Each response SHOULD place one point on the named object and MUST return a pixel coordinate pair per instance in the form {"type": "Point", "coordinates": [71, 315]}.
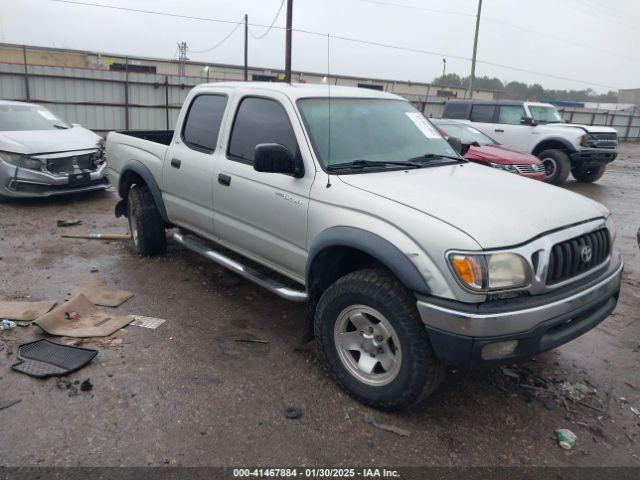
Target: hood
{"type": "Point", "coordinates": [500, 154]}
{"type": "Point", "coordinates": [584, 128]}
{"type": "Point", "coordinates": [48, 141]}
{"type": "Point", "coordinates": [498, 209]}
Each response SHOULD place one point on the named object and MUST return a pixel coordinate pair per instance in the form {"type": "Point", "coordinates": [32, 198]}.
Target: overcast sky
{"type": "Point", "coordinates": [611, 27]}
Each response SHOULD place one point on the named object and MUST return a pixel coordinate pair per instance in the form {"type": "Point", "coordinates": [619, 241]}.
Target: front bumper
{"type": "Point", "coordinates": [459, 331]}
{"type": "Point", "coordinates": [593, 157]}
{"type": "Point", "coordinates": [32, 183]}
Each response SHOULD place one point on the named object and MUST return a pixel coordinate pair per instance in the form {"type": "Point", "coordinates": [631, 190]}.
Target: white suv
{"type": "Point", "coordinates": [539, 129]}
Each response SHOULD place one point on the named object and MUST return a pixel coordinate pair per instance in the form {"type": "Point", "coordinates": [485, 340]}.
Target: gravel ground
{"type": "Point", "coordinates": [188, 393]}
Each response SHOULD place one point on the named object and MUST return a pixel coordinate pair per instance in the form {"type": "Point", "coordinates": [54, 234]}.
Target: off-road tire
{"type": "Point", "coordinates": [420, 371]}
{"type": "Point", "coordinates": [588, 174]}
{"type": "Point", "coordinates": [146, 224]}
{"type": "Point", "coordinates": [557, 165]}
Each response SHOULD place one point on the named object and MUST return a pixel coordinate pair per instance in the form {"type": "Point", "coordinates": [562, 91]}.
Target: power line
{"type": "Point", "coordinates": [338, 37]}
{"type": "Point", "coordinates": [433, 10]}
{"type": "Point", "coordinates": [259, 37]}
{"type": "Point", "coordinates": [221, 41]}
{"type": "Point", "coordinates": [612, 12]}
{"type": "Point", "coordinates": [574, 7]}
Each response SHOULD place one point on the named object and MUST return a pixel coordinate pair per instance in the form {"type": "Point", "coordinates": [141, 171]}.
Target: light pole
{"type": "Point", "coordinates": [444, 68]}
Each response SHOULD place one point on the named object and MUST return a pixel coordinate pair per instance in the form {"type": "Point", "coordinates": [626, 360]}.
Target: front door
{"type": "Point", "coordinates": [264, 215]}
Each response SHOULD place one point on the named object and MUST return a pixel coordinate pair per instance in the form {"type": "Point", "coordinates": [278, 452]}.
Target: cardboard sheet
{"type": "Point", "coordinates": [91, 322]}
{"type": "Point", "coordinates": [99, 293]}
{"type": "Point", "coordinates": [24, 311]}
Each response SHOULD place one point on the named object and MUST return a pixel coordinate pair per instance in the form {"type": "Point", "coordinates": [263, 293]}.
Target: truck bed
{"type": "Point", "coordinates": [158, 136]}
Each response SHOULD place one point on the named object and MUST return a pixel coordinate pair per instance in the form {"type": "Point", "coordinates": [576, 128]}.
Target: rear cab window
{"type": "Point", "coordinates": [202, 124]}
{"type": "Point", "coordinates": [260, 120]}
{"type": "Point", "coordinates": [483, 113]}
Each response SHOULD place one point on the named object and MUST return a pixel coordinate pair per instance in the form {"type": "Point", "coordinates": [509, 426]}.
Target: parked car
{"type": "Point", "coordinates": [42, 155]}
{"type": "Point", "coordinates": [537, 128]}
{"type": "Point", "coordinates": [483, 149]}
{"type": "Point", "coordinates": [408, 256]}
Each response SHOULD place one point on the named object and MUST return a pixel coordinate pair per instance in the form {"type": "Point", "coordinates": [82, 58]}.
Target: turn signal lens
{"type": "Point", "coordinates": [469, 269]}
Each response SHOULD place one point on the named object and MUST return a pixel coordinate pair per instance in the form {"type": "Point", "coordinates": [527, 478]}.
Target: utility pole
{"type": "Point", "coordinates": [287, 53]}
{"type": "Point", "coordinates": [246, 47]}
{"type": "Point", "coordinates": [475, 49]}
{"type": "Point", "coordinates": [444, 69]}
{"type": "Point", "coordinates": [182, 57]}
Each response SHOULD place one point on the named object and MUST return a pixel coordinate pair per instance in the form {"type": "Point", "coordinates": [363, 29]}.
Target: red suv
{"type": "Point", "coordinates": [480, 148]}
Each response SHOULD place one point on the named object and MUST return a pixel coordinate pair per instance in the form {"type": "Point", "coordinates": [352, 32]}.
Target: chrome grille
{"type": "Point", "coordinates": [528, 169]}
{"type": "Point", "coordinates": [69, 164]}
{"type": "Point", "coordinates": [578, 255]}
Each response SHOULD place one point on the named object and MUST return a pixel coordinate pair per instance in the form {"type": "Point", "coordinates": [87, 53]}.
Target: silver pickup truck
{"type": "Point", "coordinates": [409, 258]}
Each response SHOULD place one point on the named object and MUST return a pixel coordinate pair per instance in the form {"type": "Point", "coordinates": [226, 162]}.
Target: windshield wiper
{"type": "Point", "coordinates": [429, 157]}
{"type": "Point", "coordinates": [362, 164]}
{"type": "Point", "coordinates": [61, 127]}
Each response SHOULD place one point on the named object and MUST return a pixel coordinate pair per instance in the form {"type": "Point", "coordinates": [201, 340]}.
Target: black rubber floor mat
{"type": "Point", "coordinates": [43, 358]}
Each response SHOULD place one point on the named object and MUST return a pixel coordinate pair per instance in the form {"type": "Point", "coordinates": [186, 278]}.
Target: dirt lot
{"type": "Point", "coordinates": [188, 393]}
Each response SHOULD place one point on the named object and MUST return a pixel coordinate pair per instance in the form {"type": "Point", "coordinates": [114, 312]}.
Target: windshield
{"type": "Point", "coordinates": [371, 130]}
{"type": "Point", "coordinates": [466, 134]}
{"type": "Point", "coordinates": [28, 117]}
{"type": "Point", "coordinates": [545, 114]}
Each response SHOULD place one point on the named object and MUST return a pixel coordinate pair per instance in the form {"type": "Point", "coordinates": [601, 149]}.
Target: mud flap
{"type": "Point", "coordinates": [121, 209]}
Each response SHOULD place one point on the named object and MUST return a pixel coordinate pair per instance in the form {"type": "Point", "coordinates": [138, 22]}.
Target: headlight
{"type": "Point", "coordinates": [587, 140]}
{"type": "Point", "coordinates": [21, 161]}
{"type": "Point", "coordinates": [505, 167]}
{"type": "Point", "coordinates": [611, 226]}
{"type": "Point", "coordinates": [496, 271]}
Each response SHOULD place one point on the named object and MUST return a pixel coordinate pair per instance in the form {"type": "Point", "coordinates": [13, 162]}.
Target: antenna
{"type": "Point", "coordinates": [329, 102]}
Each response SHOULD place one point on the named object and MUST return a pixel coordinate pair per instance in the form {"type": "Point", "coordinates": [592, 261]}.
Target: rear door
{"type": "Point", "coordinates": [188, 169]}
{"type": "Point", "coordinates": [483, 117]}
{"type": "Point", "coordinates": [264, 215]}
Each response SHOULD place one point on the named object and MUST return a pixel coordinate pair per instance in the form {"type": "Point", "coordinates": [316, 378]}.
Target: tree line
{"type": "Point", "coordinates": [522, 91]}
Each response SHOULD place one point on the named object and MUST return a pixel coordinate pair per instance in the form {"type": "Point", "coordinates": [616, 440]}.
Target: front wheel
{"type": "Point", "coordinates": [374, 344]}
{"type": "Point", "coordinates": [557, 166]}
{"type": "Point", "coordinates": [588, 174]}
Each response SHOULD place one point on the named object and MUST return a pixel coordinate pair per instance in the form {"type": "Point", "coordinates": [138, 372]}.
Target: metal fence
{"type": "Point", "coordinates": [104, 100]}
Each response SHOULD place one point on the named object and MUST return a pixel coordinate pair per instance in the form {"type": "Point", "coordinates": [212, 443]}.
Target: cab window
{"type": "Point", "coordinates": [260, 120]}
{"type": "Point", "coordinates": [483, 113]}
{"type": "Point", "coordinates": [202, 125]}
{"type": "Point", "coordinates": [511, 114]}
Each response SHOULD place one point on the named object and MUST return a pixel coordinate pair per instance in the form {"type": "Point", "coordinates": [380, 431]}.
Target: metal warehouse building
{"type": "Point", "coordinates": [106, 92]}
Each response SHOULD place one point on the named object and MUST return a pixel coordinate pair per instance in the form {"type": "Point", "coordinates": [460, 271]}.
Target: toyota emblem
{"type": "Point", "coordinates": [586, 254]}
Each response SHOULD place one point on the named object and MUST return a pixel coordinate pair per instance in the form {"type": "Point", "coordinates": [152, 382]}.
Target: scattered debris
{"type": "Point", "coordinates": [566, 438]}
{"type": "Point", "coordinates": [86, 386]}
{"type": "Point", "coordinates": [24, 311]}
{"type": "Point", "coordinates": [91, 322]}
{"type": "Point", "coordinates": [7, 325]}
{"type": "Point", "coordinates": [292, 413]}
{"type": "Point", "coordinates": [94, 269]}
{"type": "Point", "coordinates": [146, 322]}
{"type": "Point", "coordinates": [575, 391]}
{"type": "Point", "coordinates": [251, 340]}
{"type": "Point", "coordinates": [42, 359]}
{"type": "Point", "coordinates": [114, 340]}
{"type": "Point", "coordinates": [632, 385]}
{"type": "Point", "coordinates": [389, 428]}
{"type": "Point", "coordinates": [509, 373]}
{"type": "Point", "coordinates": [73, 316]}
{"type": "Point", "coordinates": [635, 411]}
{"type": "Point", "coordinates": [99, 293]}
{"type": "Point", "coordinates": [8, 404]}
{"type": "Point", "coordinates": [99, 236]}
{"type": "Point", "coordinates": [68, 223]}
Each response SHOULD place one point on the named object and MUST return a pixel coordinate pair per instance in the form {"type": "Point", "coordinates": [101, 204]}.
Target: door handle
{"type": "Point", "coordinates": [499, 130]}
{"type": "Point", "coordinates": [224, 179]}
{"type": "Point", "coordinates": [175, 162]}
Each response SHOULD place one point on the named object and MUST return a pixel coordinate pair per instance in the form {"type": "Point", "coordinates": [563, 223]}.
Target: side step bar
{"type": "Point", "coordinates": [199, 246]}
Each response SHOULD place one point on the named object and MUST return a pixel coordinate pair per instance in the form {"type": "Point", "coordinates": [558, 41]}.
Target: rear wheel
{"type": "Point", "coordinates": [557, 166]}
{"type": "Point", "coordinates": [588, 174]}
{"type": "Point", "coordinates": [373, 342]}
{"type": "Point", "coordinates": [146, 224]}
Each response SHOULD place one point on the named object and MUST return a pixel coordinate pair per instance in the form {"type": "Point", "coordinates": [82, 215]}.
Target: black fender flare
{"type": "Point", "coordinates": [379, 248]}
{"type": "Point", "coordinates": [143, 171]}
{"type": "Point", "coordinates": [564, 141]}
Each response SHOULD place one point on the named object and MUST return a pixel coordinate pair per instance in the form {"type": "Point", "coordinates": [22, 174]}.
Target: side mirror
{"type": "Point", "coordinates": [456, 144]}
{"type": "Point", "coordinates": [527, 121]}
{"type": "Point", "coordinates": [276, 158]}
{"type": "Point", "coordinates": [465, 148]}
